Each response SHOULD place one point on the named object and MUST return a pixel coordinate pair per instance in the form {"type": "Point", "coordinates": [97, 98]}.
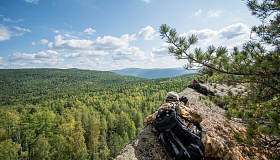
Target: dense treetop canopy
{"type": "Point", "coordinates": [75, 114]}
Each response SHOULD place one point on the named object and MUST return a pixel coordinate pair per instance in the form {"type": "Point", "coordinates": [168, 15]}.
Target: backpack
{"type": "Point", "coordinates": [176, 138]}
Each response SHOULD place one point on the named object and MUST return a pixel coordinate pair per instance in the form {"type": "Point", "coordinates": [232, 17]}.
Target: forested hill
{"type": "Point", "coordinates": [154, 73]}
{"type": "Point", "coordinates": [27, 85]}
{"type": "Point", "coordinates": [75, 114]}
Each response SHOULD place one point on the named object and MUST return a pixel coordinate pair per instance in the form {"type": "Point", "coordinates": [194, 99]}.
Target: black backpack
{"type": "Point", "coordinates": [176, 138]}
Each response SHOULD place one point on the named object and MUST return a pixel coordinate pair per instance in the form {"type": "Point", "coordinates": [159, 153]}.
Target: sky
{"type": "Point", "coordinates": [114, 34]}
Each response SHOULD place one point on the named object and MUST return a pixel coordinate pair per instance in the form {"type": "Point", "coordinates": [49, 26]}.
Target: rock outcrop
{"type": "Point", "coordinates": [146, 145]}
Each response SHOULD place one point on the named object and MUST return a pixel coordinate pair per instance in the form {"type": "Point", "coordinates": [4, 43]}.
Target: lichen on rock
{"type": "Point", "coordinates": [146, 145]}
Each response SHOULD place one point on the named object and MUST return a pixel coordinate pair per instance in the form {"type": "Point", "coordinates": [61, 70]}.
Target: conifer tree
{"type": "Point", "coordinates": [254, 67]}
{"type": "Point", "coordinates": [77, 146]}
{"type": "Point", "coordinates": [131, 130]}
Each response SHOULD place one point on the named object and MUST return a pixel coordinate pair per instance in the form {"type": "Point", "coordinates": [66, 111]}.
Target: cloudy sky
{"type": "Point", "coordinates": [106, 35]}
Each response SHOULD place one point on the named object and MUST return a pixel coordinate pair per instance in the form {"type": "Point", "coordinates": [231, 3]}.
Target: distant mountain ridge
{"type": "Point", "coordinates": [154, 73]}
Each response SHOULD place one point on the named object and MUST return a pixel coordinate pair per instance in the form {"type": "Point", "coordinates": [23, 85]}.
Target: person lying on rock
{"type": "Point", "coordinates": [201, 89]}
{"type": "Point", "coordinates": [213, 148]}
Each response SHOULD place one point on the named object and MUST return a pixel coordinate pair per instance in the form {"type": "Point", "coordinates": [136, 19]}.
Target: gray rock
{"type": "Point", "coordinates": [145, 145]}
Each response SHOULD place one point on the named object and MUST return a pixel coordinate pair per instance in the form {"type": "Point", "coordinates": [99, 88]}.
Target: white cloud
{"type": "Point", "coordinates": [196, 13]}
{"type": "Point", "coordinates": [99, 59]}
{"type": "Point", "coordinates": [234, 30]}
{"type": "Point", "coordinates": [47, 63]}
{"type": "Point", "coordinates": [89, 31]}
{"type": "Point", "coordinates": [18, 56]}
{"type": "Point", "coordinates": [230, 36]}
{"type": "Point", "coordinates": [107, 43]}
{"type": "Point", "coordinates": [93, 53]}
{"type": "Point", "coordinates": [5, 34]}
{"type": "Point", "coordinates": [205, 35]}
{"type": "Point", "coordinates": [13, 65]}
{"type": "Point", "coordinates": [32, 1]}
{"type": "Point", "coordinates": [230, 32]}
{"type": "Point", "coordinates": [128, 38]}
{"type": "Point", "coordinates": [12, 21]}
{"type": "Point", "coordinates": [21, 29]}
{"type": "Point", "coordinates": [73, 55]}
{"type": "Point", "coordinates": [67, 35]}
{"type": "Point", "coordinates": [126, 64]}
{"type": "Point", "coordinates": [84, 47]}
{"type": "Point", "coordinates": [87, 63]}
{"type": "Point", "coordinates": [101, 46]}
{"type": "Point", "coordinates": [48, 57]}
{"type": "Point", "coordinates": [132, 53]}
{"type": "Point", "coordinates": [43, 41]}
{"type": "Point", "coordinates": [7, 20]}
{"type": "Point", "coordinates": [214, 13]}
{"type": "Point", "coordinates": [56, 31]}
{"type": "Point", "coordinates": [86, 53]}
{"type": "Point", "coordinates": [147, 33]}
{"type": "Point", "coordinates": [161, 51]}
{"type": "Point", "coordinates": [49, 54]}
{"type": "Point", "coordinates": [147, 1]}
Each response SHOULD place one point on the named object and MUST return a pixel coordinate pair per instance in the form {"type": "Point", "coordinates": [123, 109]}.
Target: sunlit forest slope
{"type": "Point", "coordinates": [75, 114]}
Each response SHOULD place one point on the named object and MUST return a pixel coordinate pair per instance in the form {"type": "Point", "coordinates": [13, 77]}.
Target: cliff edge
{"type": "Point", "coordinates": [146, 144]}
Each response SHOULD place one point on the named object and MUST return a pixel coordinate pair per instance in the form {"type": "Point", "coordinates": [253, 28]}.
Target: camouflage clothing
{"type": "Point", "coordinates": [213, 148]}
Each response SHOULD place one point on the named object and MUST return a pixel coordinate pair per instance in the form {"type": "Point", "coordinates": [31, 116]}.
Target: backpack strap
{"type": "Point", "coordinates": [181, 144]}
{"type": "Point", "coordinates": [197, 147]}
{"type": "Point", "coordinates": [161, 137]}
{"type": "Point", "coordinates": [174, 147]}
{"type": "Point", "coordinates": [194, 123]}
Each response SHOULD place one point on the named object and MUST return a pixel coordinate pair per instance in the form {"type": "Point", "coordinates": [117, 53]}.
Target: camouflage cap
{"type": "Point", "coordinates": [172, 96]}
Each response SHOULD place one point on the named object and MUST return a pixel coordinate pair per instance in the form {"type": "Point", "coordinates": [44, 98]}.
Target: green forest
{"type": "Point", "coordinates": [75, 114]}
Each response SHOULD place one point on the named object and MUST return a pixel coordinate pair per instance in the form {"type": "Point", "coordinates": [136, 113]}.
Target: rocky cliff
{"type": "Point", "coordinates": [147, 146]}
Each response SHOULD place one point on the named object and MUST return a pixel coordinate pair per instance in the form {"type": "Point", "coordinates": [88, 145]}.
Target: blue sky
{"type": "Point", "coordinates": [109, 35]}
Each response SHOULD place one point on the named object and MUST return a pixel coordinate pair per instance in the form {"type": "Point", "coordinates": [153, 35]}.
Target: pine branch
{"type": "Point", "coordinates": [187, 56]}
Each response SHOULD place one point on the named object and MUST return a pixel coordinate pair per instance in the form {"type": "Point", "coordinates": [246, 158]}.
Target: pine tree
{"type": "Point", "coordinates": [254, 67]}
{"type": "Point", "coordinates": [92, 136]}
{"type": "Point", "coordinates": [131, 130]}
{"type": "Point", "coordinates": [104, 149]}
{"type": "Point", "coordinates": [77, 146]}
